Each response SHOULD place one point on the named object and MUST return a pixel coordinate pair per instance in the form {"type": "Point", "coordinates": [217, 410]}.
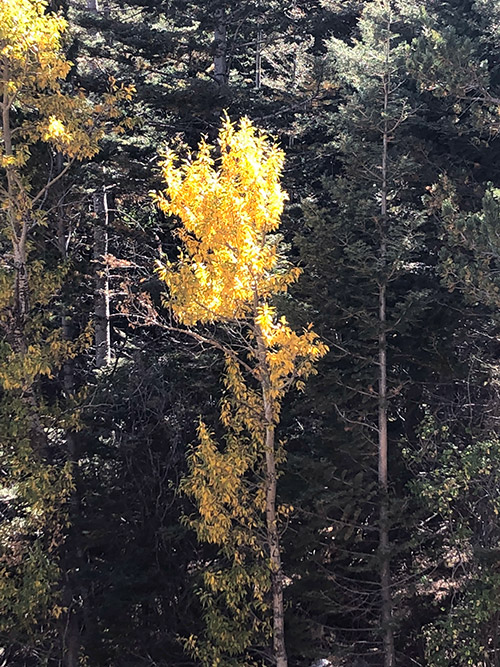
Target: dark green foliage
{"type": "Point", "coordinates": [139, 418]}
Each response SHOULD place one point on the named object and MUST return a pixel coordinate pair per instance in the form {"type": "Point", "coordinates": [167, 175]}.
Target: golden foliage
{"type": "Point", "coordinates": [32, 69]}
{"type": "Point", "coordinates": [229, 270]}
{"type": "Point", "coordinates": [227, 212]}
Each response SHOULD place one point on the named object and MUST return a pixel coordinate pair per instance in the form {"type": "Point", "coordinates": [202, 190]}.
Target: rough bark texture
{"type": "Point", "coordinates": [279, 648]}
{"type": "Point", "coordinates": [273, 538]}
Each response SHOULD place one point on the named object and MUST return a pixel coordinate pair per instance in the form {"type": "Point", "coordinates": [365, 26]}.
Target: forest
{"type": "Point", "coordinates": [249, 339]}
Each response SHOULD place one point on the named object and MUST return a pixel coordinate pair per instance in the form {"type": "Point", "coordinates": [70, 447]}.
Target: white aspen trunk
{"type": "Point", "coordinates": [220, 47]}
{"type": "Point", "coordinates": [102, 332]}
{"type": "Point", "coordinates": [93, 5]}
{"type": "Point", "coordinates": [384, 544]}
{"type": "Point", "coordinates": [258, 60]}
{"type": "Point", "coordinates": [273, 537]}
{"type": "Point", "coordinates": [279, 647]}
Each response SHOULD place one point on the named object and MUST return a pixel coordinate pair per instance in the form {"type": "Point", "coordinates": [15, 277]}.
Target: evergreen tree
{"type": "Point", "coordinates": [377, 232]}
{"type": "Point", "coordinates": [373, 247]}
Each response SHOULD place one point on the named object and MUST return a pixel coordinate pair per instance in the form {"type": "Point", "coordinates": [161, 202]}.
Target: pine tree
{"type": "Point", "coordinates": [373, 248]}
{"type": "Point", "coordinates": [426, 343]}
{"type": "Point", "coordinates": [459, 449]}
{"type": "Point", "coordinates": [370, 123]}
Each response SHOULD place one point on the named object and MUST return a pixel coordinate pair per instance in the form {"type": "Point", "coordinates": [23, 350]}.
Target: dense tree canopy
{"type": "Point", "coordinates": [165, 498]}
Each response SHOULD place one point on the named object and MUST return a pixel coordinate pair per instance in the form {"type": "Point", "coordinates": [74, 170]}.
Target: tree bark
{"type": "Point", "coordinates": [384, 523]}
{"type": "Point", "coordinates": [279, 647]}
{"type": "Point", "coordinates": [102, 333]}
{"type": "Point", "coordinates": [273, 538]}
{"type": "Point", "coordinates": [220, 47]}
{"type": "Point", "coordinates": [258, 59]}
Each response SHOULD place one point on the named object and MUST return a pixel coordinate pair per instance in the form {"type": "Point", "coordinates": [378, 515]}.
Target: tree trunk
{"type": "Point", "coordinates": [102, 334]}
{"type": "Point", "coordinates": [279, 648]}
{"type": "Point", "coordinates": [384, 545]}
{"type": "Point", "coordinates": [220, 47]}
{"type": "Point", "coordinates": [258, 60]}
{"type": "Point", "coordinates": [70, 622]}
{"type": "Point", "coordinates": [384, 524]}
{"type": "Point", "coordinates": [273, 538]}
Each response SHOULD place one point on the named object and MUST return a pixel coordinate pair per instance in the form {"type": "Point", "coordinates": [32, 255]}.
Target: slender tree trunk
{"type": "Point", "coordinates": [258, 59]}
{"type": "Point", "coordinates": [273, 537]}
{"type": "Point", "coordinates": [70, 631]}
{"type": "Point", "coordinates": [62, 242]}
{"type": "Point", "coordinates": [220, 47]}
{"type": "Point", "coordinates": [384, 524]}
{"type": "Point", "coordinates": [102, 335]}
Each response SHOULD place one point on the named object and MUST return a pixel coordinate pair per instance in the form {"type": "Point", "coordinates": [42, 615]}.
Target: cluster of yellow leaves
{"type": "Point", "coordinates": [230, 507]}
{"type": "Point", "coordinates": [30, 539]}
{"type": "Point", "coordinates": [225, 484]}
{"type": "Point", "coordinates": [241, 410]}
{"type": "Point", "coordinates": [227, 208]}
{"type": "Point", "coordinates": [47, 350]}
{"type": "Point", "coordinates": [30, 41]}
{"type": "Point", "coordinates": [229, 635]}
{"type": "Point", "coordinates": [32, 69]}
{"type": "Point", "coordinates": [41, 358]}
{"type": "Point", "coordinates": [290, 357]}
{"type": "Point", "coordinates": [27, 590]}
{"type": "Point", "coordinates": [228, 266]}
{"type": "Point", "coordinates": [28, 544]}
{"type": "Point", "coordinates": [227, 515]}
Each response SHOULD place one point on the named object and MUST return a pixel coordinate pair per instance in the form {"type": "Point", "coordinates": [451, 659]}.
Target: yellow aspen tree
{"type": "Point", "coordinates": [35, 111]}
{"type": "Point", "coordinates": [229, 271]}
